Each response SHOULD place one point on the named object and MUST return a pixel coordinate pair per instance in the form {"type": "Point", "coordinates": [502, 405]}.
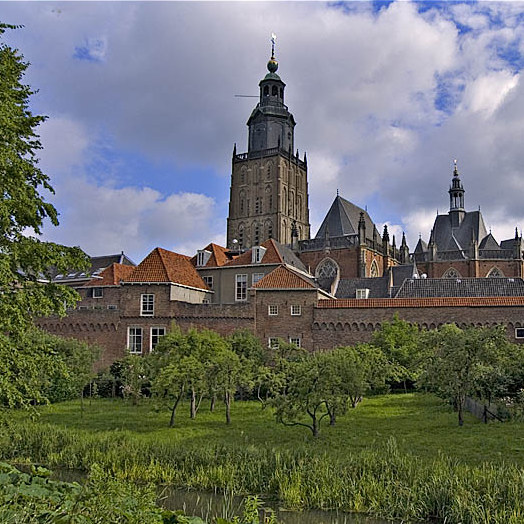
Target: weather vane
{"type": "Point", "coordinates": [273, 41]}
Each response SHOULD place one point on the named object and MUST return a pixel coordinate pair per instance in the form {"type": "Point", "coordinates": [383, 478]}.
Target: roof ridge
{"type": "Point", "coordinates": [275, 247]}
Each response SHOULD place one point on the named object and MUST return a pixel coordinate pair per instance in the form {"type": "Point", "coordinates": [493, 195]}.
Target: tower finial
{"type": "Point", "coordinates": [272, 65]}
{"type": "Point", "coordinates": [455, 169]}
{"type": "Point", "coordinates": [273, 42]}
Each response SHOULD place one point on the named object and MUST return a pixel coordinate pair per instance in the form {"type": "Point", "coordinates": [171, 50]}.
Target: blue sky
{"type": "Point", "coordinates": [143, 117]}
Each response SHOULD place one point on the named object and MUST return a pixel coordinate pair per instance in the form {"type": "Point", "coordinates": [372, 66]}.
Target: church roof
{"type": "Point", "coordinates": [284, 277]}
{"type": "Point", "coordinates": [378, 287]}
{"type": "Point", "coordinates": [421, 246]}
{"type": "Point", "coordinates": [472, 226]}
{"type": "Point", "coordinates": [342, 219]}
{"type": "Point", "coordinates": [489, 242]}
{"type": "Point", "coordinates": [112, 275]}
{"type": "Point", "coordinates": [461, 287]}
{"type": "Point", "coordinates": [166, 266]}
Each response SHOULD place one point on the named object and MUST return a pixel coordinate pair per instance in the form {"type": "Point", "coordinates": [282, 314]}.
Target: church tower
{"type": "Point", "coordinates": [269, 192]}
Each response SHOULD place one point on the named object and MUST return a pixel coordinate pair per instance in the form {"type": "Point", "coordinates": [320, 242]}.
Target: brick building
{"type": "Point", "coordinates": [275, 280]}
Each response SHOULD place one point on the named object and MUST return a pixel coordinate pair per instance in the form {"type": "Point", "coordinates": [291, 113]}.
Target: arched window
{"type": "Point", "coordinates": [241, 236]}
{"type": "Point", "coordinates": [451, 273]}
{"type": "Point", "coordinates": [495, 272]}
{"type": "Point", "coordinates": [242, 201]}
{"type": "Point", "coordinates": [269, 229]}
{"type": "Point", "coordinates": [373, 270]}
{"type": "Point", "coordinates": [268, 170]}
{"type": "Point", "coordinates": [266, 90]}
{"type": "Point", "coordinates": [292, 203]}
{"type": "Point", "coordinates": [243, 175]}
{"type": "Point", "coordinates": [284, 201]}
{"type": "Point", "coordinates": [274, 91]}
{"type": "Point", "coordinates": [327, 268]}
{"type": "Point", "coordinates": [256, 234]}
{"type": "Point", "coordinates": [299, 207]}
{"type": "Point", "coordinates": [281, 93]}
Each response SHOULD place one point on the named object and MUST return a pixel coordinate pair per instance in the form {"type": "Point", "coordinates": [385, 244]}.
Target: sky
{"type": "Point", "coordinates": [143, 114]}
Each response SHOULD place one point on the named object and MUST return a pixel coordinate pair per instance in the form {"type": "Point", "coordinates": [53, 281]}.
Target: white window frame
{"type": "Point", "coordinates": [208, 279]}
{"type": "Point", "coordinates": [256, 277]}
{"type": "Point", "coordinates": [157, 336]}
{"type": "Point", "coordinates": [521, 334]}
{"type": "Point", "coordinates": [272, 310]}
{"type": "Point", "coordinates": [295, 340]}
{"type": "Point", "coordinates": [361, 294]}
{"type": "Point", "coordinates": [203, 257]}
{"type": "Point", "coordinates": [296, 310]}
{"type": "Point", "coordinates": [257, 254]}
{"type": "Point", "coordinates": [132, 339]}
{"type": "Point", "coordinates": [147, 305]}
{"type": "Point", "coordinates": [241, 287]}
{"type": "Point", "coordinates": [272, 343]}
{"type": "Point", "coordinates": [98, 292]}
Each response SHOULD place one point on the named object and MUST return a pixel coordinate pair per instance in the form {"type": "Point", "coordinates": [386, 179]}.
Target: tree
{"type": "Point", "coordinates": [465, 362]}
{"type": "Point", "coordinates": [399, 340]}
{"type": "Point", "coordinates": [26, 263]}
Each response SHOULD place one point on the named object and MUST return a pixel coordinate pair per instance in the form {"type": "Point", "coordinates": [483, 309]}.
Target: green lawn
{"type": "Point", "coordinates": [422, 425]}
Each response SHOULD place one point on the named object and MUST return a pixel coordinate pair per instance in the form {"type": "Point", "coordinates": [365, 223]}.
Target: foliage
{"type": "Point", "coordinates": [26, 262]}
{"type": "Point", "coordinates": [469, 362]}
{"type": "Point", "coordinates": [399, 340]}
{"type": "Point", "coordinates": [134, 377]}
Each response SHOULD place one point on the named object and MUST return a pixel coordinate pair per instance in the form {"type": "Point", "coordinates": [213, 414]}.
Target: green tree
{"type": "Point", "coordinates": [26, 263]}
{"type": "Point", "coordinates": [463, 363]}
{"type": "Point", "coordinates": [399, 340]}
{"type": "Point", "coordinates": [134, 375]}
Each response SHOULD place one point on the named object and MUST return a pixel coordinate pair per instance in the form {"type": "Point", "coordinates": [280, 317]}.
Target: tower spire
{"type": "Point", "coordinates": [456, 198]}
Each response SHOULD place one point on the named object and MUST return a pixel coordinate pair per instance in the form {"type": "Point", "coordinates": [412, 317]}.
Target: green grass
{"type": "Point", "coordinates": [422, 425]}
{"type": "Point", "coordinates": [395, 456]}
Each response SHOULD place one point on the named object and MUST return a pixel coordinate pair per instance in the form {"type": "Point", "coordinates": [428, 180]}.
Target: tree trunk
{"type": "Point", "coordinates": [227, 400]}
{"type": "Point", "coordinates": [332, 418]}
{"type": "Point", "coordinates": [460, 409]}
{"type": "Point", "coordinates": [314, 426]}
{"type": "Point", "coordinates": [212, 406]}
{"type": "Point", "coordinates": [173, 411]}
{"type": "Point", "coordinates": [192, 406]}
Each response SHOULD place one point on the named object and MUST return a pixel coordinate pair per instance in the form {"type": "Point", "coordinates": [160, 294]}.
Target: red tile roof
{"type": "Point", "coordinates": [218, 256]}
{"type": "Point", "coordinates": [271, 256]}
{"type": "Point", "coordinates": [112, 275]}
{"type": "Point", "coordinates": [162, 265]}
{"type": "Point", "coordinates": [421, 302]}
{"type": "Point", "coordinates": [284, 278]}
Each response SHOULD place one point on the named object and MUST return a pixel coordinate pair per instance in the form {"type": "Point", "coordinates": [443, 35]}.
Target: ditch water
{"type": "Point", "coordinates": [209, 505]}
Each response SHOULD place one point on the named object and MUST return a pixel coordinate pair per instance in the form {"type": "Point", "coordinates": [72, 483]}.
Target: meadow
{"type": "Point", "coordinates": [395, 456]}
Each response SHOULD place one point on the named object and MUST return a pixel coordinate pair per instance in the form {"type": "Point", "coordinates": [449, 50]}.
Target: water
{"type": "Point", "coordinates": [211, 505]}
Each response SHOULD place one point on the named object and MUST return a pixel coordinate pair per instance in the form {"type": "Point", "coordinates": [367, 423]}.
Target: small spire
{"type": "Point", "coordinates": [385, 234]}
{"type": "Point", "coordinates": [455, 169]}
{"type": "Point", "coordinates": [403, 239]}
{"type": "Point", "coordinates": [273, 41]}
{"type": "Point", "coordinates": [337, 191]}
{"type": "Point", "coordinates": [235, 149]}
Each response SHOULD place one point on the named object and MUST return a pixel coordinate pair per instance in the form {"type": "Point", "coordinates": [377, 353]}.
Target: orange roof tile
{"type": "Point", "coordinates": [284, 278]}
{"type": "Point", "coordinates": [218, 256]}
{"type": "Point", "coordinates": [421, 302]}
{"type": "Point", "coordinates": [271, 256]}
{"type": "Point", "coordinates": [162, 265]}
{"type": "Point", "coordinates": [112, 275]}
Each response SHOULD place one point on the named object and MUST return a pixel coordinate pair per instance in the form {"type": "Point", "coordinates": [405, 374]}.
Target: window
{"type": "Point", "coordinates": [240, 287]}
{"type": "Point", "coordinates": [112, 306]}
{"type": "Point", "coordinates": [208, 279]}
{"type": "Point", "coordinates": [156, 333]}
{"type": "Point", "coordinates": [272, 310]}
{"type": "Point", "coordinates": [328, 268]}
{"type": "Point", "coordinates": [451, 273]}
{"type": "Point", "coordinates": [134, 339]}
{"type": "Point", "coordinates": [362, 293]}
{"type": "Point", "coordinates": [295, 341]}
{"type": "Point", "coordinates": [272, 343]}
{"type": "Point", "coordinates": [98, 292]}
{"type": "Point", "coordinates": [257, 277]}
{"type": "Point", "coordinates": [147, 308]}
{"type": "Point", "coordinates": [203, 257]}
{"type": "Point", "coordinates": [519, 332]}
{"type": "Point", "coordinates": [296, 310]}
{"type": "Point", "coordinates": [257, 254]}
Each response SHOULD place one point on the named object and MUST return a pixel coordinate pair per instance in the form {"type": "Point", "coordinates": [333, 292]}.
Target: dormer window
{"type": "Point", "coordinates": [362, 293]}
{"type": "Point", "coordinates": [203, 257]}
{"type": "Point", "coordinates": [257, 254]}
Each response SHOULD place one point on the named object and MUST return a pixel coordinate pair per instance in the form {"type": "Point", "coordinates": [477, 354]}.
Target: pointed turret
{"type": "Point", "coordinates": [404, 250]}
{"type": "Point", "coordinates": [456, 199]}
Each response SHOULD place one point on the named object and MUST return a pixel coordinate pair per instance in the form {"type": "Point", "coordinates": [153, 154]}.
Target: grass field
{"type": "Point", "coordinates": [395, 456]}
{"type": "Point", "coordinates": [422, 425]}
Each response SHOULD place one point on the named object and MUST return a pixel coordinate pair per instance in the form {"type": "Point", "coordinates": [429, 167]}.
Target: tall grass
{"type": "Point", "coordinates": [381, 480]}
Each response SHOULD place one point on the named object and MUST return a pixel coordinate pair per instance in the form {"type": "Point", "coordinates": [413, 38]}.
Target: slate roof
{"type": "Point", "coordinates": [489, 242]}
{"type": "Point", "coordinates": [421, 246]}
{"type": "Point", "coordinates": [342, 219]}
{"type": "Point", "coordinates": [112, 275]}
{"type": "Point", "coordinates": [284, 278]}
{"type": "Point", "coordinates": [98, 264]}
{"type": "Point", "coordinates": [378, 287]}
{"type": "Point", "coordinates": [276, 253]}
{"type": "Point", "coordinates": [461, 287]}
{"type": "Point", "coordinates": [218, 256]}
{"type": "Point", "coordinates": [447, 238]}
{"type": "Point", "coordinates": [400, 273]}
{"type": "Point", "coordinates": [166, 266]}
